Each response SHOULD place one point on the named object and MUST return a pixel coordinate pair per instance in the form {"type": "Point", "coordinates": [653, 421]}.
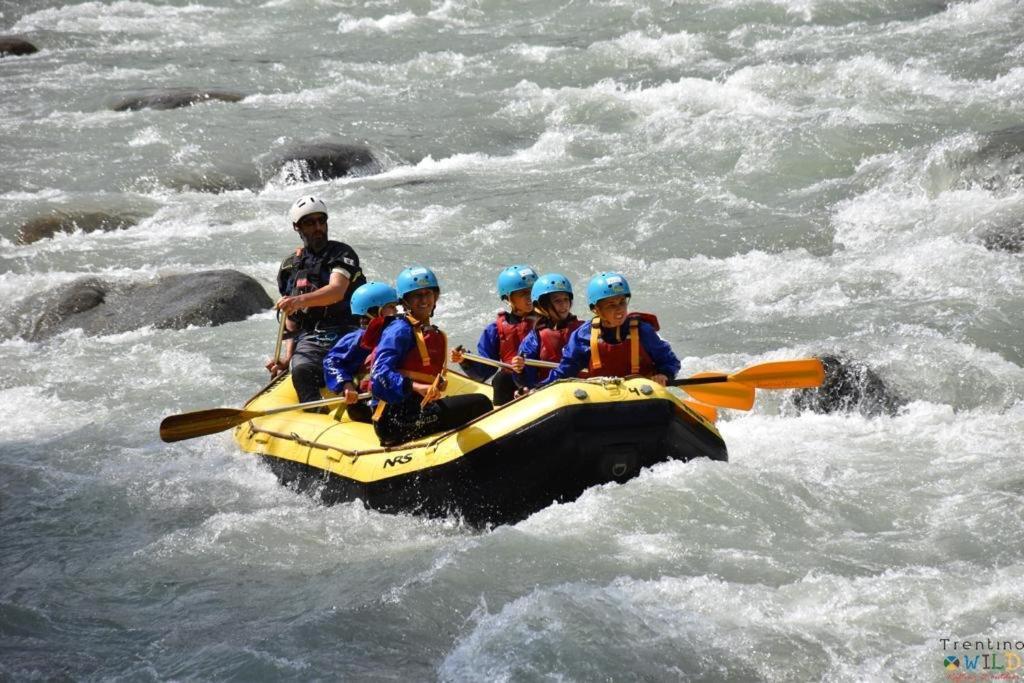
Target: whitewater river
{"type": "Point", "coordinates": [776, 178]}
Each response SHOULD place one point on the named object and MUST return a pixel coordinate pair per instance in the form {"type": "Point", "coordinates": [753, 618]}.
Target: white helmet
{"type": "Point", "coordinates": [304, 206]}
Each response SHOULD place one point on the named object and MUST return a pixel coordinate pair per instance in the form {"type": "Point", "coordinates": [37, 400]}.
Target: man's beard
{"type": "Point", "coordinates": [315, 243]}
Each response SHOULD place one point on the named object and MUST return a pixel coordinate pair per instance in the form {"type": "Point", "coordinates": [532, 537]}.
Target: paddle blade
{"type": "Point", "coordinates": [203, 422]}
{"type": "Point", "coordinates": [709, 413]}
{"type": "Point", "coordinates": [735, 395]}
{"type": "Point", "coordinates": [805, 373]}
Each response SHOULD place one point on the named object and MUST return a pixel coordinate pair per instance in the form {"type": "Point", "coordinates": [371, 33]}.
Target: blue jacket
{"type": "Point", "coordinates": [386, 382]}
{"type": "Point", "coordinates": [342, 362]}
{"type": "Point", "coordinates": [530, 349]}
{"type": "Point", "coordinates": [487, 346]}
{"type": "Point", "coordinates": [576, 354]}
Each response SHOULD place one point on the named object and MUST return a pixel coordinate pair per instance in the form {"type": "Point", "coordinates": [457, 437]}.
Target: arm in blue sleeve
{"type": "Point", "coordinates": [335, 362]}
{"type": "Point", "coordinates": [575, 357]}
{"type": "Point", "coordinates": [659, 350]}
{"type": "Point", "coordinates": [386, 382]}
{"type": "Point", "coordinates": [486, 346]}
{"type": "Point", "coordinates": [529, 349]}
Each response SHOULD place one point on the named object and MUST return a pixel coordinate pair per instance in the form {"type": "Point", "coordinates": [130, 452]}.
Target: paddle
{"type": "Point", "coordinates": [436, 387]}
{"type": "Point", "coordinates": [736, 390]}
{"type": "Point", "coordinates": [727, 395]}
{"type": "Point", "coordinates": [204, 422]}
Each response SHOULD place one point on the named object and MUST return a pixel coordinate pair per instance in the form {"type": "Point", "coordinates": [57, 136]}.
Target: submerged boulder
{"type": "Point", "coordinates": [850, 386]}
{"type": "Point", "coordinates": [173, 98]}
{"type": "Point", "coordinates": [1008, 238]}
{"type": "Point", "coordinates": [70, 221]}
{"type": "Point", "coordinates": [12, 45]}
{"type": "Point", "coordinates": [308, 162]}
{"type": "Point", "coordinates": [171, 302]}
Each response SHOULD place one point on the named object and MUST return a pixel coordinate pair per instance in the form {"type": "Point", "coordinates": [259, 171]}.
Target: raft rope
{"type": "Point", "coordinates": [604, 382]}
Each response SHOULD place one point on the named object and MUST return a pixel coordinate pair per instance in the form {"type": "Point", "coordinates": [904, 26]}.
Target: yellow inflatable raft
{"type": "Point", "coordinates": [548, 446]}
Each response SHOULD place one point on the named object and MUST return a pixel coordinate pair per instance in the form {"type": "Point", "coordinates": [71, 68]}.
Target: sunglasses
{"type": "Point", "coordinates": [310, 221]}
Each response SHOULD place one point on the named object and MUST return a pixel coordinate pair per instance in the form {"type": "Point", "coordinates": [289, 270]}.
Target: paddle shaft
{"type": "Point", "coordinates": [280, 338]}
{"type": "Point", "coordinates": [483, 360]}
{"type": "Point", "coordinates": [204, 422]}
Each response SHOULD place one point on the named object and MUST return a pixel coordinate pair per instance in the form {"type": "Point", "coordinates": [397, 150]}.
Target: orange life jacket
{"type": "Point", "coordinates": [429, 357]}
{"type": "Point", "coordinates": [626, 357]}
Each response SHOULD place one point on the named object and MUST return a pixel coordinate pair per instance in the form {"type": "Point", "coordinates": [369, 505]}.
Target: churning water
{"type": "Point", "coordinates": [776, 178]}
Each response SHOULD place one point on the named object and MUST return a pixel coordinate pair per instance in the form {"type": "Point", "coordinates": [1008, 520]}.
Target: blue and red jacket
{"type": "Point", "coordinates": [617, 354]}
{"type": "Point", "coordinates": [499, 341]}
{"type": "Point", "coordinates": [351, 355]}
{"type": "Point", "coordinates": [406, 352]}
{"type": "Point", "coordinates": [545, 342]}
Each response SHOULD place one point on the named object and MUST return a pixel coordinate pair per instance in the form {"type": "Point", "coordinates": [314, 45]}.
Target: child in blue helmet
{"type": "Point", "coordinates": [500, 340]}
{"type": "Point", "coordinates": [409, 366]}
{"type": "Point", "coordinates": [376, 303]}
{"type": "Point", "coordinates": [552, 301]}
{"type": "Point", "coordinates": [616, 343]}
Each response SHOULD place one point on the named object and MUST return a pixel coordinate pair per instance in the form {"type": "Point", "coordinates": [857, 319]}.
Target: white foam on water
{"type": "Point", "coordinates": [550, 146]}
{"type": "Point", "coordinates": [389, 23]}
{"type": "Point", "coordinates": [121, 16]}
{"type": "Point", "coordinates": [38, 413]}
{"type": "Point", "coordinates": [665, 50]}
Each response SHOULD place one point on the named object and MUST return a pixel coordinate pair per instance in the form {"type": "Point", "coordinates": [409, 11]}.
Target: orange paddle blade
{"type": "Point", "coordinates": [804, 373]}
{"type": "Point", "coordinates": [735, 395]}
{"type": "Point", "coordinates": [709, 413]}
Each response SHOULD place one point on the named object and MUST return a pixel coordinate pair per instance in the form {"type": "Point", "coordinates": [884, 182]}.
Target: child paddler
{"type": "Point", "coordinates": [500, 340]}
{"type": "Point", "coordinates": [616, 343]}
{"type": "Point", "coordinates": [552, 302]}
{"type": "Point", "coordinates": [376, 304]}
{"type": "Point", "coordinates": [408, 370]}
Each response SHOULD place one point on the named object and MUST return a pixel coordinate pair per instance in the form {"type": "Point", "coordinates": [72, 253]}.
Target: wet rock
{"type": "Point", "coordinates": [61, 221]}
{"type": "Point", "coordinates": [999, 162]}
{"type": "Point", "coordinates": [171, 302]}
{"type": "Point", "coordinates": [308, 162]}
{"type": "Point", "coordinates": [11, 45]}
{"type": "Point", "coordinates": [850, 386]}
{"type": "Point", "coordinates": [173, 98]}
{"type": "Point", "coordinates": [1008, 238]}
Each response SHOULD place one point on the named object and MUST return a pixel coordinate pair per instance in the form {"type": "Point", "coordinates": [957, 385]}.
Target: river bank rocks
{"type": "Point", "coordinates": [70, 221]}
{"type": "Point", "coordinates": [312, 161]}
{"type": "Point", "coordinates": [173, 98]}
{"type": "Point", "coordinates": [98, 307]}
{"type": "Point", "coordinates": [14, 46]}
{"type": "Point", "coordinates": [850, 386]}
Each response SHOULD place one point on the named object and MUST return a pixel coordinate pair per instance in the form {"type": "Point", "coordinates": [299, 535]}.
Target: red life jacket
{"type": "Point", "coordinates": [620, 359]}
{"type": "Point", "coordinates": [429, 357]}
{"type": "Point", "coordinates": [374, 331]}
{"type": "Point", "coordinates": [553, 339]}
{"type": "Point", "coordinates": [511, 335]}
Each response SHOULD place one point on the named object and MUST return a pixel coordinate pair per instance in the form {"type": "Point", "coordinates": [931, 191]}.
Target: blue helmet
{"type": "Point", "coordinates": [604, 285]}
{"type": "Point", "coordinates": [413, 278]}
{"type": "Point", "coordinates": [372, 295]}
{"type": "Point", "coordinates": [514, 278]}
{"type": "Point", "coordinates": [549, 284]}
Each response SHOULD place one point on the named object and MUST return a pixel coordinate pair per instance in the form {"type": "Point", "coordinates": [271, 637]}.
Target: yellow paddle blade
{"type": "Point", "coordinates": [203, 422]}
{"type": "Point", "coordinates": [709, 413]}
{"type": "Point", "coordinates": [735, 395]}
{"type": "Point", "coordinates": [804, 373]}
